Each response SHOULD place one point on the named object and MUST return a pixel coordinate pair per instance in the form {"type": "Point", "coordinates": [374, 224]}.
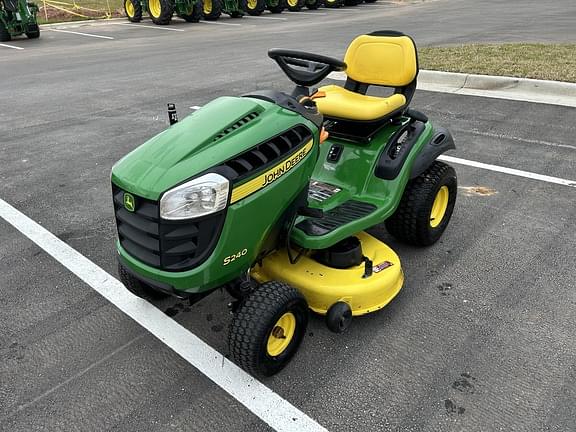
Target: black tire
{"type": "Point", "coordinates": [313, 4]}
{"type": "Point", "coordinates": [33, 31]}
{"type": "Point", "coordinates": [212, 9]}
{"type": "Point", "coordinates": [163, 16]}
{"type": "Point", "coordinates": [411, 222]}
{"type": "Point", "coordinates": [4, 33]}
{"type": "Point", "coordinates": [276, 6]}
{"type": "Point", "coordinates": [333, 4]}
{"type": "Point", "coordinates": [195, 15]}
{"type": "Point", "coordinates": [370, 1]}
{"type": "Point", "coordinates": [239, 13]}
{"type": "Point", "coordinates": [352, 2]}
{"type": "Point", "coordinates": [133, 10]}
{"type": "Point", "coordinates": [295, 5]}
{"type": "Point", "coordinates": [258, 319]}
{"type": "Point", "coordinates": [255, 7]}
{"type": "Point", "coordinates": [137, 287]}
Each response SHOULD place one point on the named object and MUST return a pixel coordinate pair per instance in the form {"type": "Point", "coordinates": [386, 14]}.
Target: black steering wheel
{"type": "Point", "coordinates": [305, 69]}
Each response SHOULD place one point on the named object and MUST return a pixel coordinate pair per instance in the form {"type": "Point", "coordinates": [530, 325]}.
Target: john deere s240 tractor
{"type": "Point", "coordinates": [161, 11]}
{"type": "Point", "coordinates": [18, 17]}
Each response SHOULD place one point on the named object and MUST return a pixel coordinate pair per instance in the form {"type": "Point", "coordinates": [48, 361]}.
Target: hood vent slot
{"type": "Point", "coordinates": [269, 152]}
{"type": "Point", "coordinates": [236, 125]}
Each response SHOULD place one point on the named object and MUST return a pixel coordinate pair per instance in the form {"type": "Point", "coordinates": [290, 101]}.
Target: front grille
{"type": "Point", "coordinates": [166, 245]}
{"type": "Point", "coordinates": [268, 153]}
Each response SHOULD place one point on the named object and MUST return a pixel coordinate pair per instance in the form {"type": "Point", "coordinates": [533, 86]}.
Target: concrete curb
{"type": "Point", "coordinates": [500, 87]}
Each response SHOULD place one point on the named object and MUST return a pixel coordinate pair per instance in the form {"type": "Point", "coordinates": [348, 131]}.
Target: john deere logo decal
{"type": "Point", "coordinates": [129, 202]}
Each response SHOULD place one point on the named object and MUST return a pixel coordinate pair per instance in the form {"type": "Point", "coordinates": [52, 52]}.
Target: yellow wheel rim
{"type": "Point", "coordinates": [207, 6]}
{"type": "Point", "coordinates": [129, 8]}
{"type": "Point", "coordinates": [252, 4]}
{"type": "Point", "coordinates": [281, 335]}
{"type": "Point", "coordinates": [439, 207]}
{"type": "Point", "coordinates": [155, 8]}
{"type": "Point", "coordinates": [292, 3]}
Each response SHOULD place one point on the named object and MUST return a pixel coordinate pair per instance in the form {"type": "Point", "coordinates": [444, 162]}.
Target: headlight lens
{"type": "Point", "coordinates": [199, 197]}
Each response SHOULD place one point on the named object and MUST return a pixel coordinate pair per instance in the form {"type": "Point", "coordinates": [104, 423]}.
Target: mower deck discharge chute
{"type": "Point", "coordinates": [270, 194]}
{"type": "Point", "coordinates": [18, 17]}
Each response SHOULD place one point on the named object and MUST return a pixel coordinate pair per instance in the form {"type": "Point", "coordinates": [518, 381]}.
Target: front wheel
{"type": "Point", "coordinates": [133, 10]}
{"type": "Point", "coordinates": [276, 6]}
{"type": "Point", "coordinates": [295, 5]}
{"type": "Point", "coordinates": [161, 11]}
{"type": "Point", "coordinates": [194, 14]}
{"type": "Point", "coordinates": [255, 7]}
{"type": "Point", "coordinates": [426, 206]}
{"type": "Point", "coordinates": [136, 287]}
{"type": "Point", "coordinates": [313, 4]}
{"type": "Point", "coordinates": [333, 3]}
{"type": "Point", "coordinates": [212, 9]}
{"type": "Point", "coordinates": [4, 33]}
{"type": "Point", "coordinates": [33, 31]}
{"type": "Point", "coordinates": [267, 328]}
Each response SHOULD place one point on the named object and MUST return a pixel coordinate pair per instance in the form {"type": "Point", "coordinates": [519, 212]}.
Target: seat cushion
{"type": "Point", "coordinates": [345, 104]}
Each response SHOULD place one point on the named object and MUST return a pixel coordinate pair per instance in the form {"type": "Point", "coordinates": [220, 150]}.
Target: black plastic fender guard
{"type": "Point", "coordinates": [440, 142]}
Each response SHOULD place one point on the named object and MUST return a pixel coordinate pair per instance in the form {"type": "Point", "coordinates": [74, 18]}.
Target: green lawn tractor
{"type": "Point", "coordinates": [18, 17]}
{"type": "Point", "coordinates": [214, 8]}
{"type": "Point", "coordinates": [269, 195]}
{"type": "Point", "coordinates": [256, 7]}
{"type": "Point", "coordinates": [161, 11]}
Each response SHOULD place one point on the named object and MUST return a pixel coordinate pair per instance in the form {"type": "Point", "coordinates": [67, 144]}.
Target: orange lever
{"type": "Point", "coordinates": [323, 135]}
{"type": "Point", "coordinates": [318, 95]}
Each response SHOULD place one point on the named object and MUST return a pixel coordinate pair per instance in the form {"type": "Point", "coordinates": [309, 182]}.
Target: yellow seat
{"type": "Point", "coordinates": [384, 58]}
{"type": "Point", "coordinates": [346, 104]}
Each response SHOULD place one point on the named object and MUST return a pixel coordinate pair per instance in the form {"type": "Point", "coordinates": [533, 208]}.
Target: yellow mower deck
{"type": "Point", "coordinates": [323, 286]}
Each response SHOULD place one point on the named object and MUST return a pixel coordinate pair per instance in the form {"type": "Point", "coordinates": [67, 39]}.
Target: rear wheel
{"type": "Point", "coordinates": [267, 328]}
{"type": "Point", "coordinates": [276, 6]}
{"type": "Point", "coordinates": [33, 31]}
{"type": "Point", "coordinates": [352, 2]}
{"type": "Point", "coordinates": [133, 9]}
{"type": "Point", "coordinates": [295, 5]}
{"type": "Point", "coordinates": [370, 1]}
{"type": "Point", "coordinates": [161, 11]}
{"type": "Point", "coordinates": [313, 4]}
{"type": "Point", "coordinates": [193, 14]}
{"type": "Point", "coordinates": [4, 34]}
{"type": "Point", "coordinates": [333, 3]}
{"type": "Point", "coordinates": [426, 206]}
{"type": "Point", "coordinates": [255, 7]}
{"type": "Point", "coordinates": [212, 9]}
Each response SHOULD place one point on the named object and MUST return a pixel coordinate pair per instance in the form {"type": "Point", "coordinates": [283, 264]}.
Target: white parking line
{"type": "Point", "coordinates": [219, 23]}
{"type": "Point", "coordinates": [305, 13]}
{"type": "Point", "coordinates": [264, 18]}
{"type": "Point", "coordinates": [277, 412]}
{"type": "Point", "coordinates": [11, 46]}
{"type": "Point", "coordinates": [155, 27]}
{"type": "Point", "coordinates": [511, 171]}
{"type": "Point", "coordinates": [80, 33]}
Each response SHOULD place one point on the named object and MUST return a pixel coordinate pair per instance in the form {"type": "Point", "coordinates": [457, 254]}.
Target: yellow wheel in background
{"type": "Point", "coordinates": [207, 6]}
{"type": "Point", "coordinates": [292, 3]}
{"type": "Point", "coordinates": [129, 7]}
{"type": "Point", "coordinates": [155, 8]}
{"type": "Point", "coordinates": [281, 335]}
{"type": "Point", "coordinates": [439, 207]}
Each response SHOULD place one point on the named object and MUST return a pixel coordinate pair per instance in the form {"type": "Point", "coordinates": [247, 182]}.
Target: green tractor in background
{"type": "Point", "coordinates": [256, 7]}
{"type": "Point", "coordinates": [214, 8]}
{"type": "Point", "coordinates": [18, 17]}
{"type": "Point", "coordinates": [161, 11]}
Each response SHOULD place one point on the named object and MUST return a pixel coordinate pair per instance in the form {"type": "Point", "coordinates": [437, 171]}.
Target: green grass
{"type": "Point", "coordinates": [540, 61]}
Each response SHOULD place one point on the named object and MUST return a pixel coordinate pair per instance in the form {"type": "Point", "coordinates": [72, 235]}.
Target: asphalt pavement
{"type": "Point", "coordinates": [481, 338]}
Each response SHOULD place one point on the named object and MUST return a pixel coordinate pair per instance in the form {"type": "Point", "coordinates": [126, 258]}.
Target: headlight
{"type": "Point", "coordinates": [199, 197]}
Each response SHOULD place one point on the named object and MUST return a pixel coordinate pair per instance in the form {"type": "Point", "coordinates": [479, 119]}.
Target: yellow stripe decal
{"type": "Point", "coordinates": [271, 175]}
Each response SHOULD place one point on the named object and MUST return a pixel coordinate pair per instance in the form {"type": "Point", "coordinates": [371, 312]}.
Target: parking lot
{"type": "Point", "coordinates": [480, 338]}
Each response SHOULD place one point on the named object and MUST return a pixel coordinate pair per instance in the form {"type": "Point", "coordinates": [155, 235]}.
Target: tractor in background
{"type": "Point", "coordinates": [162, 11]}
{"type": "Point", "coordinates": [18, 17]}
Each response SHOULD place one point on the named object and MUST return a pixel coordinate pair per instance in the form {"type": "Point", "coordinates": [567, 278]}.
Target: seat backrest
{"type": "Point", "coordinates": [11, 5]}
{"type": "Point", "coordinates": [385, 58]}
